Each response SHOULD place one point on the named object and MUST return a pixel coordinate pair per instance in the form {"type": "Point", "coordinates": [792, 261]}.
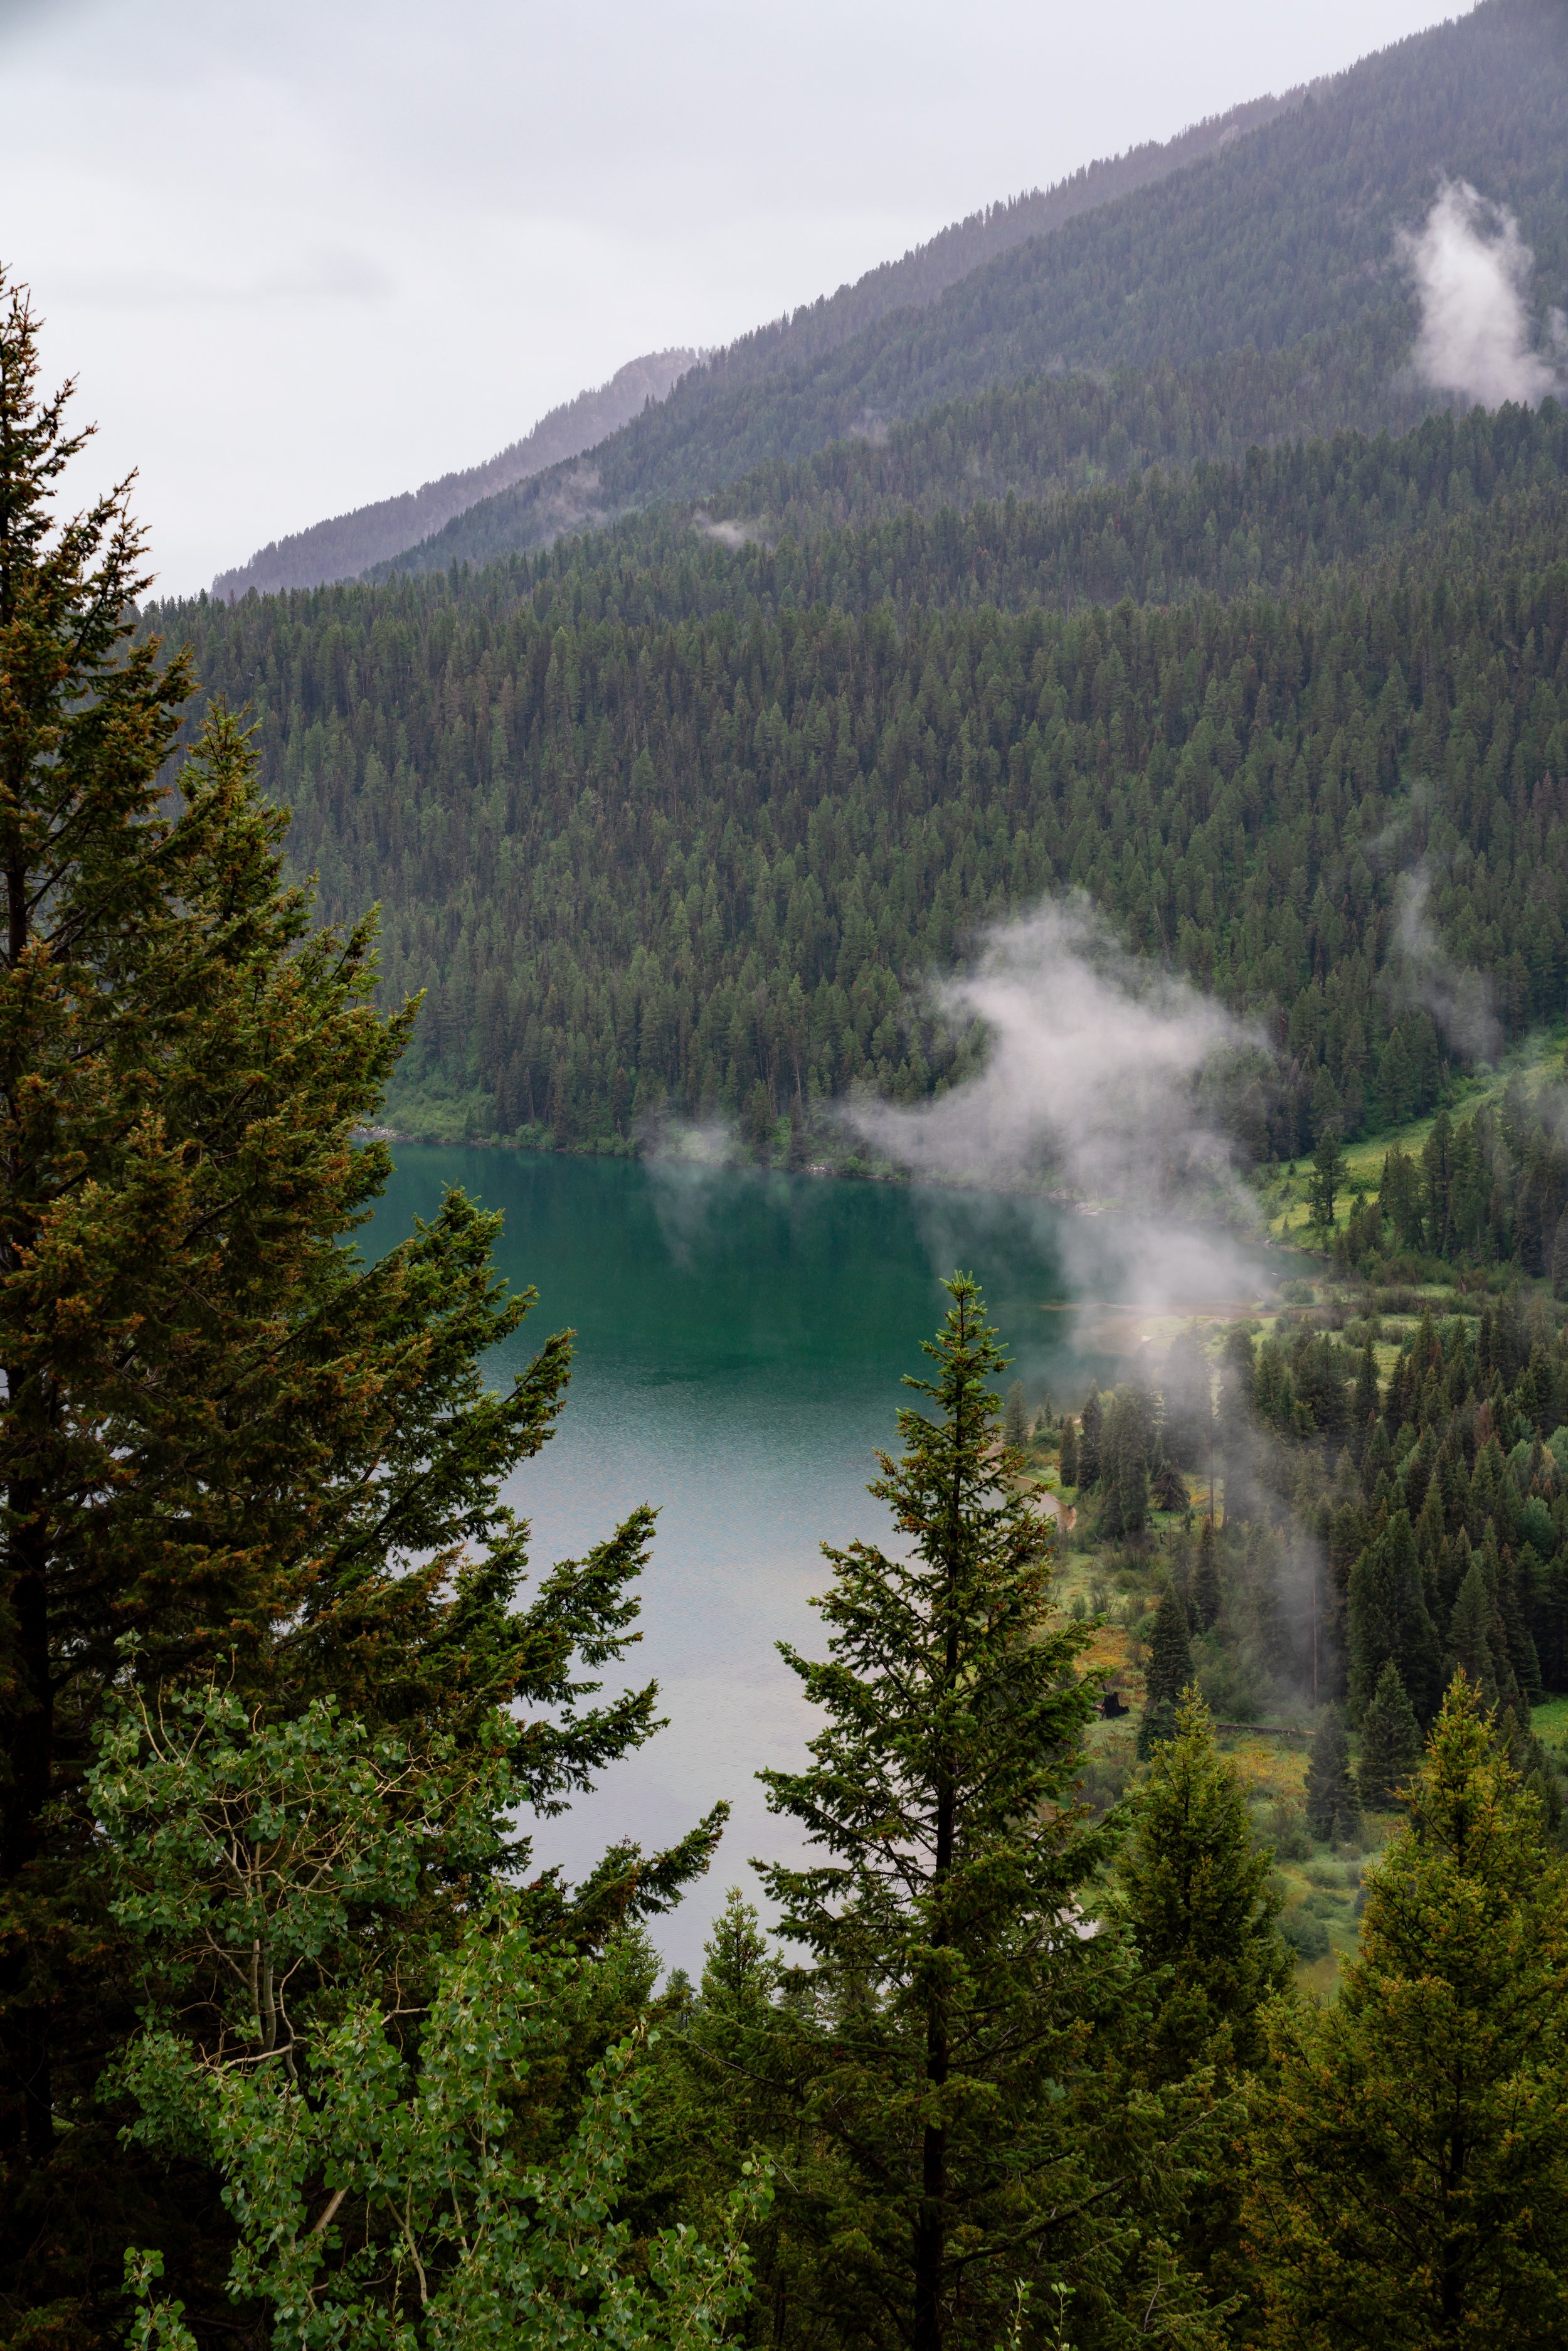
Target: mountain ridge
{"type": "Point", "coordinates": [342, 546]}
{"type": "Point", "coordinates": [1285, 231]}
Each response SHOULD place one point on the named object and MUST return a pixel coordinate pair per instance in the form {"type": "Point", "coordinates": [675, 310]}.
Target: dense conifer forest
{"type": "Point", "coordinates": [700, 858]}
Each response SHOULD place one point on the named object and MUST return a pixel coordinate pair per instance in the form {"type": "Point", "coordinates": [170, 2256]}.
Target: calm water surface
{"type": "Point", "coordinates": [740, 1339]}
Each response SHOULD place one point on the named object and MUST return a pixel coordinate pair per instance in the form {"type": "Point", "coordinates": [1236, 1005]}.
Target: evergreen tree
{"type": "Point", "coordinates": [1168, 1667]}
{"type": "Point", "coordinates": [223, 1436]}
{"type": "Point", "coordinates": [939, 1796]}
{"type": "Point", "coordinates": [1328, 1176]}
{"type": "Point", "coordinates": [274, 1880]}
{"type": "Point", "coordinates": [1409, 2170]}
{"type": "Point", "coordinates": [1390, 1742]}
{"type": "Point", "coordinates": [1331, 1810]}
{"type": "Point", "coordinates": [1090, 1427]}
{"type": "Point", "coordinates": [1186, 1387]}
{"type": "Point", "coordinates": [1124, 1466]}
{"type": "Point", "coordinates": [1069, 1453]}
{"type": "Point", "coordinates": [1193, 1889]}
{"type": "Point", "coordinates": [1015, 1420]}
{"type": "Point", "coordinates": [1560, 1260]}
{"type": "Point", "coordinates": [1470, 1630]}
{"type": "Point", "coordinates": [1364, 1412]}
{"type": "Point", "coordinates": [1168, 1489]}
{"type": "Point", "coordinates": [1206, 1595]}
{"type": "Point", "coordinates": [1388, 1620]}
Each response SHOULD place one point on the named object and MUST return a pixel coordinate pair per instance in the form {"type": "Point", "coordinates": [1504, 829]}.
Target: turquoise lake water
{"type": "Point", "coordinates": [741, 1340]}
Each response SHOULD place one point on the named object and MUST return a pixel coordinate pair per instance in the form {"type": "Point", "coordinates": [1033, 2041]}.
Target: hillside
{"type": "Point", "coordinates": [1285, 233]}
{"type": "Point", "coordinates": [644, 857]}
{"type": "Point", "coordinates": [349, 544]}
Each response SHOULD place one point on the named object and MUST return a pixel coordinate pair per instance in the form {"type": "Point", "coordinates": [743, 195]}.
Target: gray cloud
{"type": "Point", "coordinates": [327, 276]}
{"type": "Point", "coordinates": [1472, 271]}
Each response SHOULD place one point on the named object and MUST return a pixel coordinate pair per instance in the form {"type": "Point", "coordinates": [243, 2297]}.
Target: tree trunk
{"type": "Point", "coordinates": [29, 1771]}
{"type": "Point", "coordinates": [931, 2226]}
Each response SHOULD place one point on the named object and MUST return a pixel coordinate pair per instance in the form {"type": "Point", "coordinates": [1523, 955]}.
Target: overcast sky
{"type": "Point", "coordinates": [303, 255]}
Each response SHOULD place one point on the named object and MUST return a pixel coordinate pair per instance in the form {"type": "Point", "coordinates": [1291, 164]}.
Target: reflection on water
{"type": "Point", "coordinates": [740, 1339]}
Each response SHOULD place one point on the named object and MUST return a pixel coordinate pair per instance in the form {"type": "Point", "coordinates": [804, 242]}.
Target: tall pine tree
{"type": "Point", "coordinates": [941, 2052]}
{"type": "Point", "coordinates": [1331, 1810]}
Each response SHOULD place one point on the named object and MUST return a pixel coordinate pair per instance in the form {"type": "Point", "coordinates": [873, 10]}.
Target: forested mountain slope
{"type": "Point", "coordinates": [700, 856]}
{"type": "Point", "coordinates": [927, 271]}
{"type": "Point", "coordinates": [1286, 233]}
{"type": "Point", "coordinates": [348, 544]}
{"type": "Point", "coordinates": [1041, 443]}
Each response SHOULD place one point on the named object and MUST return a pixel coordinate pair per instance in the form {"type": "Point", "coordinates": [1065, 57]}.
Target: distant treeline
{"type": "Point", "coordinates": [699, 862]}
{"type": "Point", "coordinates": [1489, 1189]}
{"type": "Point", "coordinates": [1268, 517]}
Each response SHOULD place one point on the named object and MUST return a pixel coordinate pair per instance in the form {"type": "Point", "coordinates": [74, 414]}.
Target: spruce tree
{"type": "Point", "coordinates": [1168, 1667]}
{"type": "Point", "coordinates": [1015, 1421]}
{"type": "Point", "coordinates": [1390, 1742]}
{"type": "Point", "coordinates": [1364, 1403]}
{"type": "Point", "coordinates": [1409, 2165]}
{"type": "Point", "coordinates": [1389, 1619]}
{"type": "Point", "coordinates": [1168, 1487]}
{"type": "Point", "coordinates": [1470, 1630]}
{"type": "Point", "coordinates": [949, 1850]}
{"type": "Point", "coordinates": [1331, 1810]}
{"type": "Point", "coordinates": [1090, 1427]}
{"type": "Point", "coordinates": [1069, 1456]}
{"type": "Point", "coordinates": [1328, 1176]}
{"type": "Point", "coordinates": [1193, 1887]}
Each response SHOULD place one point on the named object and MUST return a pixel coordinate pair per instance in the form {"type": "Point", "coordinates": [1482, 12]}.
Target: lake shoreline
{"type": "Point", "coordinates": [1063, 1201]}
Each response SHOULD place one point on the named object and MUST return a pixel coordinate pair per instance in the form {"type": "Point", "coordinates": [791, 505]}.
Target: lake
{"type": "Point", "coordinates": [741, 1340]}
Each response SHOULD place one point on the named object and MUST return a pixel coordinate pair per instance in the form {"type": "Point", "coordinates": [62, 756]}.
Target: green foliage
{"type": "Point", "coordinates": [1408, 2180]}
{"type": "Point", "coordinates": [1332, 1809]}
{"type": "Point", "coordinates": [364, 2043]}
{"type": "Point", "coordinates": [1487, 1189]}
{"type": "Point", "coordinates": [385, 2191]}
{"type": "Point", "coordinates": [1328, 1176]}
{"type": "Point", "coordinates": [1194, 1892]}
{"type": "Point", "coordinates": [1069, 1455]}
{"type": "Point", "coordinates": [659, 863]}
{"type": "Point", "coordinates": [940, 2044]}
{"type": "Point", "coordinates": [224, 1433]}
{"type": "Point", "coordinates": [1390, 1742]}
{"type": "Point", "coordinates": [1389, 1622]}
{"type": "Point", "coordinates": [1168, 1669]}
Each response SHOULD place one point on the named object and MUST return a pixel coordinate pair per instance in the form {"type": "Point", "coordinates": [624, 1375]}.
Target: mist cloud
{"type": "Point", "coordinates": [1103, 1075]}
{"type": "Point", "coordinates": [1460, 1000]}
{"type": "Point", "coordinates": [1472, 271]}
{"type": "Point", "coordinates": [733, 535]}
